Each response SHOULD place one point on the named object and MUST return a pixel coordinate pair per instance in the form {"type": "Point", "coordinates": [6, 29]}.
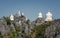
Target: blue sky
{"type": "Point", "coordinates": [30, 8]}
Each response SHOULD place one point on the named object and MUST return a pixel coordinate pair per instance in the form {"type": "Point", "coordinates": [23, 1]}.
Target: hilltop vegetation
{"type": "Point", "coordinates": [27, 29]}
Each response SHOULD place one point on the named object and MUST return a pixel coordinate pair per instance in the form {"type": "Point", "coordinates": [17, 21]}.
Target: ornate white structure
{"type": "Point", "coordinates": [19, 13]}
{"type": "Point", "coordinates": [23, 14]}
{"type": "Point", "coordinates": [49, 16]}
{"type": "Point", "coordinates": [40, 15]}
{"type": "Point", "coordinates": [11, 17]}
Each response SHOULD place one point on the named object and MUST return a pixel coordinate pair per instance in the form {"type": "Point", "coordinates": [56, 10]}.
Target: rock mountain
{"type": "Point", "coordinates": [22, 28]}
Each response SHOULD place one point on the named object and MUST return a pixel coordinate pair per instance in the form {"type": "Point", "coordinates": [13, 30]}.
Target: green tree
{"type": "Point", "coordinates": [1, 36]}
{"type": "Point", "coordinates": [39, 31]}
{"type": "Point", "coordinates": [7, 20]}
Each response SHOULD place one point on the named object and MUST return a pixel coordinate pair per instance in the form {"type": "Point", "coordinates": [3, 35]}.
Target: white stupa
{"type": "Point", "coordinates": [11, 17]}
{"type": "Point", "coordinates": [19, 13]}
{"type": "Point", "coordinates": [23, 14]}
{"type": "Point", "coordinates": [49, 16]}
{"type": "Point", "coordinates": [40, 15]}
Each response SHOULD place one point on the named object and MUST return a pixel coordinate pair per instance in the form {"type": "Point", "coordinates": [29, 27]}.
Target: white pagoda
{"type": "Point", "coordinates": [23, 14]}
{"type": "Point", "coordinates": [19, 13]}
{"type": "Point", "coordinates": [49, 16]}
{"type": "Point", "coordinates": [40, 15]}
{"type": "Point", "coordinates": [11, 17]}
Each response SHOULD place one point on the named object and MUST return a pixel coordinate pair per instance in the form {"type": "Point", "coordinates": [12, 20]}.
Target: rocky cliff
{"type": "Point", "coordinates": [22, 28]}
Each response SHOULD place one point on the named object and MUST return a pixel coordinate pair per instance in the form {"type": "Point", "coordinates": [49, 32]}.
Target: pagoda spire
{"type": "Point", "coordinates": [49, 16]}
{"type": "Point", "coordinates": [19, 13]}
{"type": "Point", "coordinates": [11, 17]}
{"type": "Point", "coordinates": [23, 14]}
{"type": "Point", "coordinates": [40, 15]}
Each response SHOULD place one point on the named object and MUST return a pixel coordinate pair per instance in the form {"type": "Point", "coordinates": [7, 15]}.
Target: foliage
{"type": "Point", "coordinates": [12, 34]}
{"type": "Point", "coordinates": [38, 31]}
{"type": "Point", "coordinates": [1, 36]}
{"type": "Point", "coordinates": [27, 22]}
{"type": "Point", "coordinates": [17, 28]}
{"type": "Point", "coordinates": [8, 20]}
{"type": "Point", "coordinates": [20, 29]}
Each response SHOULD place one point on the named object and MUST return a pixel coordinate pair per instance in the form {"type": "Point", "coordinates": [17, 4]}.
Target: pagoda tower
{"type": "Point", "coordinates": [19, 13]}
{"type": "Point", "coordinates": [49, 16]}
{"type": "Point", "coordinates": [40, 15]}
{"type": "Point", "coordinates": [11, 17]}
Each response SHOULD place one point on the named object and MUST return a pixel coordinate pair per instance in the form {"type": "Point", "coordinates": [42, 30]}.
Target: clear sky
{"type": "Point", "coordinates": [30, 8]}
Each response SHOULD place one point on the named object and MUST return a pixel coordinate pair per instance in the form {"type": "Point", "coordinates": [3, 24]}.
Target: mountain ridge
{"type": "Point", "coordinates": [22, 28]}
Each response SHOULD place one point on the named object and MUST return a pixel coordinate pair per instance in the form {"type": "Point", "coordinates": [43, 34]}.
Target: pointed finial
{"type": "Point", "coordinates": [49, 13]}
{"type": "Point", "coordinates": [40, 15]}
{"type": "Point", "coordinates": [11, 17]}
{"type": "Point", "coordinates": [19, 13]}
{"type": "Point", "coordinates": [23, 14]}
{"type": "Point", "coordinates": [49, 16]}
